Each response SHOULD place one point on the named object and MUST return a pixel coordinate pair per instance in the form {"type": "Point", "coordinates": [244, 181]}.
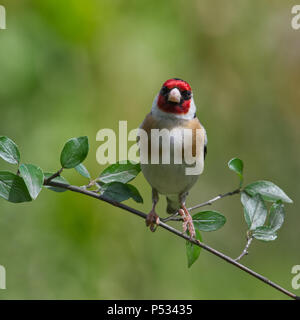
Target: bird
{"type": "Point", "coordinates": [173, 109]}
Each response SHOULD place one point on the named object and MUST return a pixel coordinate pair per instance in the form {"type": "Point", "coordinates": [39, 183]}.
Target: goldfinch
{"type": "Point", "coordinates": [173, 109]}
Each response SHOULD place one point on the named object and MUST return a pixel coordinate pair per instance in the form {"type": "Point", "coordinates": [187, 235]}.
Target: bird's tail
{"type": "Point", "coordinates": [173, 204]}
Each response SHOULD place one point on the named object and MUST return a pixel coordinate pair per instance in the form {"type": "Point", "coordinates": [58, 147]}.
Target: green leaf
{"type": "Point", "coordinates": [255, 210]}
{"type": "Point", "coordinates": [276, 217]}
{"type": "Point", "coordinates": [118, 191]}
{"type": "Point", "coordinates": [268, 190]}
{"type": "Point", "coordinates": [120, 172]}
{"type": "Point", "coordinates": [264, 234]}
{"type": "Point", "coordinates": [33, 177]}
{"type": "Point", "coordinates": [135, 195]}
{"type": "Point", "coordinates": [57, 179]}
{"type": "Point", "coordinates": [74, 152]}
{"type": "Point", "coordinates": [208, 220]}
{"type": "Point", "coordinates": [193, 251]}
{"type": "Point", "coordinates": [13, 188]}
{"type": "Point", "coordinates": [9, 150]}
{"type": "Point", "coordinates": [81, 169]}
{"type": "Point", "coordinates": [237, 166]}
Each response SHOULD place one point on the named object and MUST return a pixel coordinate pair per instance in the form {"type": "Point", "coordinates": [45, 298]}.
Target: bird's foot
{"type": "Point", "coordinates": [152, 220]}
{"type": "Point", "coordinates": [187, 222]}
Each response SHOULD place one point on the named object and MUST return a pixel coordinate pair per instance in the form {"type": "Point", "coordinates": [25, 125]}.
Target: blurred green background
{"type": "Point", "coordinates": [69, 68]}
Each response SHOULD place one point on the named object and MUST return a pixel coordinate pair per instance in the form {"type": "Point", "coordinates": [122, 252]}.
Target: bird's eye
{"type": "Point", "coordinates": [186, 94]}
{"type": "Point", "coordinates": [164, 91]}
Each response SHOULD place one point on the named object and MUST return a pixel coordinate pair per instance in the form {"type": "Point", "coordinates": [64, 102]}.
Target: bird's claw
{"type": "Point", "coordinates": [187, 223]}
{"type": "Point", "coordinates": [152, 220]}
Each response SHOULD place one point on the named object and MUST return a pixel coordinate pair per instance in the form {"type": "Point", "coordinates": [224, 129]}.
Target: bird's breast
{"type": "Point", "coordinates": [170, 151]}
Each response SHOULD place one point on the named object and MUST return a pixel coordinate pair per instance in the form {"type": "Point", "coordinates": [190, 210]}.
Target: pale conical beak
{"type": "Point", "coordinates": [174, 95]}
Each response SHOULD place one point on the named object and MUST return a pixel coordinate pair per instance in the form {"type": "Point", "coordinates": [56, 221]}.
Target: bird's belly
{"type": "Point", "coordinates": [168, 178]}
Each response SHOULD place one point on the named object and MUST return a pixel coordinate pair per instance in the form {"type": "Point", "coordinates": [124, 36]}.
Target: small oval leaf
{"type": "Point", "coordinates": [13, 188]}
{"type": "Point", "coordinates": [33, 177]}
{"type": "Point", "coordinates": [268, 190]}
{"type": "Point", "coordinates": [9, 150]}
{"type": "Point", "coordinates": [120, 172]}
{"type": "Point", "coordinates": [74, 152]}
{"type": "Point", "coordinates": [135, 195]}
{"type": "Point", "coordinates": [264, 234]}
{"type": "Point", "coordinates": [208, 220]}
{"type": "Point", "coordinates": [237, 166]}
{"type": "Point", "coordinates": [255, 210]}
{"type": "Point", "coordinates": [119, 192]}
{"type": "Point", "coordinates": [81, 169]}
{"type": "Point", "coordinates": [276, 217]}
{"type": "Point", "coordinates": [193, 251]}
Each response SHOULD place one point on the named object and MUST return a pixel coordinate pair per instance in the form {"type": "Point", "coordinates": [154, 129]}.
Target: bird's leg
{"type": "Point", "coordinates": [187, 221]}
{"type": "Point", "coordinates": [184, 224]}
{"type": "Point", "coordinates": [152, 218]}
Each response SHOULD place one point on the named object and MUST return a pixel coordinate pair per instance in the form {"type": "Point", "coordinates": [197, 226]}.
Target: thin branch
{"type": "Point", "coordinates": [220, 196]}
{"type": "Point", "coordinates": [174, 217]}
{"type": "Point", "coordinates": [92, 183]}
{"type": "Point", "coordinates": [56, 174]}
{"type": "Point", "coordinates": [176, 232]}
{"type": "Point", "coordinates": [245, 251]}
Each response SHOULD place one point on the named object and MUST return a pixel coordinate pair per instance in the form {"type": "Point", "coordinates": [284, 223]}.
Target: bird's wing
{"type": "Point", "coordinates": [195, 124]}
{"type": "Point", "coordinates": [148, 124]}
{"type": "Point", "coordinates": [205, 143]}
